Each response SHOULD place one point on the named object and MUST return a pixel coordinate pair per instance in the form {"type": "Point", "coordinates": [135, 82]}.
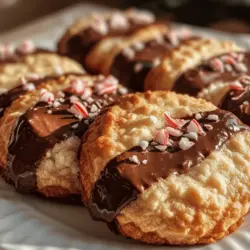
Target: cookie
{"type": "Point", "coordinates": [40, 132]}
{"type": "Point", "coordinates": [196, 64]}
{"type": "Point", "coordinates": [28, 61]}
{"type": "Point", "coordinates": [149, 168]}
{"type": "Point", "coordinates": [134, 62]}
{"type": "Point", "coordinates": [85, 33]}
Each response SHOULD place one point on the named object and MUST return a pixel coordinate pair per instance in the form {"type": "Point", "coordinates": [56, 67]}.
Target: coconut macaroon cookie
{"type": "Point", "coordinates": [199, 67]}
{"type": "Point", "coordinates": [85, 33]}
{"type": "Point", "coordinates": [27, 61]}
{"type": "Point", "coordinates": [132, 64]}
{"type": "Point", "coordinates": [149, 168]}
{"type": "Point", "coordinates": [40, 132]}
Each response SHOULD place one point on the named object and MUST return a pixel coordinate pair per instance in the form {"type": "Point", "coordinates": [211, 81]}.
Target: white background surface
{"type": "Point", "coordinates": [29, 223]}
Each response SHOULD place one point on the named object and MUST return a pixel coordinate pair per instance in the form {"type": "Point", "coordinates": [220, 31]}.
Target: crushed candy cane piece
{"type": "Point", "coordinates": [143, 144]}
{"type": "Point", "coordinates": [198, 116]}
{"type": "Point", "coordinates": [79, 110]}
{"type": "Point", "coordinates": [192, 136]}
{"type": "Point", "coordinates": [46, 96]}
{"type": "Point", "coordinates": [208, 126]}
{"type": "Point", "coordinates": [217, 65]}
{"type": "Point", "coordinates": [173, 131]}
{"type": "Point", "coordinates": [161, 147]}
{"type": "Point", "coordinates": [228, 59]}
{"type": "Point", "coordinates": [240, 67]}
{"type": "Point", "coordinates": [134, 159]}
{"type": "Point", "coordinates": [161, 137]}
{"type": "Point", "coordinates": [236, 85]}
{"type": "Point", "coordinates": [26, 47]}
{"type": "Point", "coordinates": [78, 86]}
{"type": "Point", "coordinates": [144, 161]}
{"type": "Point", "coordinates": [213, 117]}
{"type": "Point", "coordinates": [119, 21]}
{"type": "Point", "coordinates": [86, 94]}
{"type": "Point", "coordinates": [185, 144]}
{"type": "Point", "coordinates": [29, 86]}
{"type": "Point", "coordinates": [138, 46]}
{"type": "Point", "coordinates": [194, 126]}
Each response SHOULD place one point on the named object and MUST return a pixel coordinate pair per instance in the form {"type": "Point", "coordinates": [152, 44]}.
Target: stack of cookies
{"type": "Point", "coordinates": [138, 137]}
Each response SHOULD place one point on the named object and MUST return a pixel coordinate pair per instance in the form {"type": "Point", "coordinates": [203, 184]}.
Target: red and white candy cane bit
{"type": "Point", "coordinates": [6, 50]}
{"type": "Point", "coordinates": [79, 110]}
{"type": "Point", "coordinates": [46, 96]}
{"type": "Point", "coordinates": [194, 126]}
{"type": "Point", "coordinates": [87, 93]}
{"type": "Point", "coordinates": [110, 80]}
{"type": "Point", "coordinates": [217, 64]}
{"type": "Point", "coordinates": [78, 86]}
{"type": "Point", "coordinates": [174, 123]}
{"type": "Point", "coordinates": [228, 59]}
{"type": "Point", "coordinates": [161, 137]}
{"type": "Point", "coordinates": [106, 88]}
{"type": "Point", "coordinates": [174, 132]}
{"type": "Point", "coordinates": [236, 86]}
{"type": "Point", "coordinates": [26, 47]}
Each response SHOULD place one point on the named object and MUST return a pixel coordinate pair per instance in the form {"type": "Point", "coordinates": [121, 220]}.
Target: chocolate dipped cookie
{"type": "Point", "coordinates": [40, 133]}
{"type": "Point", "coordinates": [86, 33]}
{"type": "Point", "coordinates": [149, 168]}
{"type": "Point", "coordinates": [199, 65]}
{"type": "Point", "coordinates": [26, 62]}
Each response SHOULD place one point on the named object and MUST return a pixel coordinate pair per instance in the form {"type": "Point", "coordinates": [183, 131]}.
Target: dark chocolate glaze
{"type": "Point", "coordinates": [123, 68]}
{"type": "Point", "coordinates": [237, 102]}
{"type": "Point", "coordinates": [195, 79]}
{"type": "Point", "coordinates": [38, 130]}
{"type": "Point", "coordinates": [122, 180]}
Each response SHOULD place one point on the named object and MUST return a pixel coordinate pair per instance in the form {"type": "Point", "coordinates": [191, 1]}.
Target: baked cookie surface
{"type": "Point", "coordinates": [41, 131]}
{"type": "Point", "coordinates": [149, 168]}
{"type": "Point", "coordinates": [196, 64]}
{"type": "Point", "coordinates": [27, 61]}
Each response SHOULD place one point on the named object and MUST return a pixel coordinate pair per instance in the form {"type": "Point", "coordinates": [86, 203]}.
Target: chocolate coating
{"type": "Point", "coordinates": [124, 68]}
{"type": "Point", "coordinates": [122, 180]}
{"type": "Point", "coordinates": [38, 130]}
{"type": "Point", "coordinates": [81, 43]}
{"type": "Point", "coordinates": [237, 102]}
{"type": "Point", "coordinates": [195, 79]}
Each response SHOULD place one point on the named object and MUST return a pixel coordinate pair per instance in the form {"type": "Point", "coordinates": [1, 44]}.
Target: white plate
{"type": "Point", "coordinates": [30, 223]}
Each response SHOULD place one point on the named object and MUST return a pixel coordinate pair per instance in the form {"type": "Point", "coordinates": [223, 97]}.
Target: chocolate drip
{"type": "Point", "coordinates": [122, 180]}
{"type": "Point", "coordinates": [194, 80]}
{"type": "Point", "coordinates": [38, 130]}
{"type": "Point", "coordinates": [237, 102]}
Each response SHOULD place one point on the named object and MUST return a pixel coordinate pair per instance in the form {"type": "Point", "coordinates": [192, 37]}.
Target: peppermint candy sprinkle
{"type": "Point", "coordinates": [108, 85]}
{"type": "Point", "coordinates": [185, 144]}
{"type": "Point", "coordinates": [79, 110]}
{"type": "Point", "coordinates": [78, 86]}
{"type": "Point", "coordinates": [194, 126]}
{"type": "Point", "coordinates": [161, 137]}
{"type": "Point", "coordinates": [236, 86]}
{"type": "Point", "coordinates": [46, 96]}
{"type": "Point", "coordinates": [26, 47]}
